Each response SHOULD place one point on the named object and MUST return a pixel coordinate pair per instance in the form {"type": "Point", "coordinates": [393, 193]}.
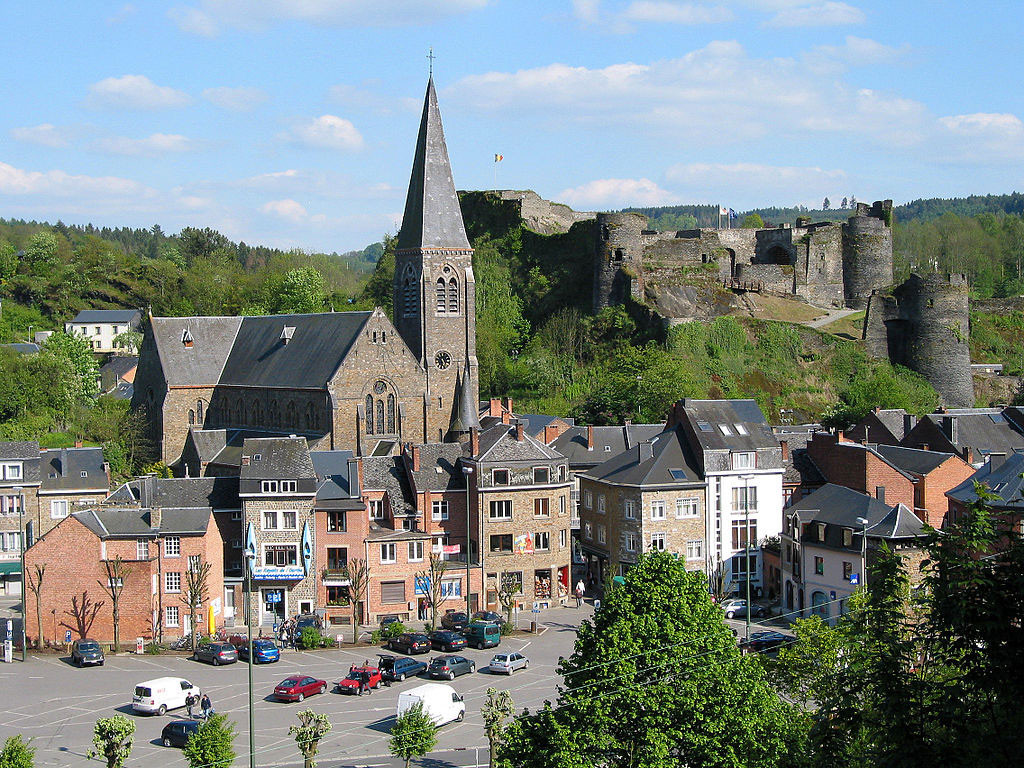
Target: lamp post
{"type": "Point", "coordinates": [250, 559]}
{"type": "Point", "coordinates": [466, 472]}
{"type": "Point", "coordinates": [746, 545]}
{"type": "Point", "coordinates": [863, 521]}
{"type": "Point", "coordinates": [21, 545]}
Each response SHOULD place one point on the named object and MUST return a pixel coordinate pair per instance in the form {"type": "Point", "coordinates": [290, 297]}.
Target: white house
{"type": "Point", "coordinates": [102, 326]}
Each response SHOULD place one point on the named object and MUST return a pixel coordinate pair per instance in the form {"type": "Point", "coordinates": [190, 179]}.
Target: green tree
{"type": "Point", "coordinates": [17, 753]}
{"type": "Point", "coordinates": [112, 740]}
{"type": "Point", "coordinates": [498, 708]}
{"type": "Point", "coordinates": [41, 253]}
{"type": "Point", "coordinates": [213, 745]}
{"type": "Point", "coordinates": [8, 262]}
{"type": "Point", "coordinates": [413, 734]}
{"type": "Point", "coordinates": [313, 726]}
{"type": "Point", "coordinates": [79, 371]}
{"type": "Point", "coordinates": [433, 577]}
{"type": "Point", "coordinates": [657, 680]}
{"type": "Point", "coordinates": [301, 292]}
{"type": "Point", "coordinates": [752, 221]}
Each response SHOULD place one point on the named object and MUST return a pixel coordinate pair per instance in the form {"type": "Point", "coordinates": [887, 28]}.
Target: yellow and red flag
{"type": "Point", "coordinates": [498, 158]}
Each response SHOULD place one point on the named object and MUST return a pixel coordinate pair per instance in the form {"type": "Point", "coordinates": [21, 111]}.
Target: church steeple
{"type": "Point", "coordinates": [465, 417]}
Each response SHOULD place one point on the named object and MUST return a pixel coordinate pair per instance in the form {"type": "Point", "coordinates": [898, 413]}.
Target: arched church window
{"type": "Point", "coordinates": [410, 300]}
{"type": "Point", "coordinates": [274, 412]}
{"type": "Point", "coordinates": [291, 420]}
{"type": "Point", "coordinates": [453, 296]}
{"type": "Point", "coordinates": [254, 414]}
{"type": "Point", "coordinates": [199, 411]}
{"type": "Point", "coordinates": [240, 412]}
{"type": "Point", "coordinates": [442, 304]}
{"type": "Point", "coordinates": [191, 416]}
{"type": "Point", "coordinates": [391, 414]}
{"type": "Point", "coordinates": [380, 416]}
{"type": "Point", "coordinates": [310, 417]}
{"type": "Point", "coordinates": [369, 414]}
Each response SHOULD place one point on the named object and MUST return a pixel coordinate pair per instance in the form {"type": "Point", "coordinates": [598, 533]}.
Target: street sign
{"type": "Point", "coordinates": [274, 597]}
{"type": "Point", "coordinates": [140, 645]}
{"type": "Point", "coordinates": [536, 607]}
{"type": "Point", "coordinates": [597, 605]}
{"type": "Point", "coordinates": [855, 578]}
{"type": "Point", "coordinates": [67, 636]}
{"type": "Point", "coordinates": [421, 585]}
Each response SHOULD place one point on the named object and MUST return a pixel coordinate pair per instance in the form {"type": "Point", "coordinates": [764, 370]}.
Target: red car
{"type": "Point", "coordinates": [352, 683]}
{"type": "Point", "coordinates": [298, 687]}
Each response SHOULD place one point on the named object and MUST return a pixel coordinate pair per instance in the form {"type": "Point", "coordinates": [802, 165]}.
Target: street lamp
{"type": "Point", "coordinates": [466, 472]}
{"type": "Point", "coordinates": [863, 521]}
{"type": "Point", "coordinates": [638, 380]}
{"type": "Point", "coordinates": [746, 543]}
{"type": "Point", "coordinates": [250, 560]}
{"type": "Point", "coordinates": [21, 541]}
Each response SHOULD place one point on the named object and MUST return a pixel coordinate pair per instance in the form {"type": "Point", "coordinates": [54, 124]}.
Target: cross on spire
{"type": "Point", "coordinates": [431, 57]}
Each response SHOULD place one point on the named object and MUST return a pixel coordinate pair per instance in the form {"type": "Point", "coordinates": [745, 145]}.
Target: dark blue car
{"type": "Point", "coordinates": [263, 651]}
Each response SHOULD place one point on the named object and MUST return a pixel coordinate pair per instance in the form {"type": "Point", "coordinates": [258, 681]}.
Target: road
{"type": "Point", "coordinates": [831, 317]}
{"type": "Point", "coordinates": [56, 705]}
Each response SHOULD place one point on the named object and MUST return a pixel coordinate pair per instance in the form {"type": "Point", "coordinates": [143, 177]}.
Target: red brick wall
{"type": "Point", "coordinates": [934, 485]}
{"type": "Point", "coordinates": [855, 467]}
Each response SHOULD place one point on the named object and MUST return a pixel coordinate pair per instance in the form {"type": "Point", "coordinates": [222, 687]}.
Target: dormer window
{"type": "Point", "coordinates": [186, 338]}
{"type": "Point", "coordinates": [286, 334]}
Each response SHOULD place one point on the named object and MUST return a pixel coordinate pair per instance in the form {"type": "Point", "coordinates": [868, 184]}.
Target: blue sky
{"type": "Point", "coordinates": [292, 122]}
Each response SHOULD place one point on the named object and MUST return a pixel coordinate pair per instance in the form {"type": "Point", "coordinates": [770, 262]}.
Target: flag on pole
{"type": "Point", "coordinates": [498, 158]}
{"type": "Point", "coordinates": [733, 214]}
{"type": "Point", "coordinates": [723, 211]}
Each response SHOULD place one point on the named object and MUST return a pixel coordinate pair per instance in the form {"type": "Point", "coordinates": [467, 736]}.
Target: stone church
{"type": "Point", "coordinates": [344, 380]}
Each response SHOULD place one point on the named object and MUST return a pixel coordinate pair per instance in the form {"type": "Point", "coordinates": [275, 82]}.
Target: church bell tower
{"type": "Point", "coordinates": [434, 289]}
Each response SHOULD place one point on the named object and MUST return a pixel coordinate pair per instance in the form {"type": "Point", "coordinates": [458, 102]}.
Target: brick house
{"type": "Point", "coordinates": [650, 497]}
{"type": "Point", "coordinates": [883, 426]}
{"type": "Point", "coordinates": [1003, 477]}
{"type": "Point", "coordinates": [972, 433]}
{"type": "Point", "coordinates": [70, 479]}
{"type": "Point", "coordinates": [157, 547]}
{"type": "Point", "coordinates": [19, 503]}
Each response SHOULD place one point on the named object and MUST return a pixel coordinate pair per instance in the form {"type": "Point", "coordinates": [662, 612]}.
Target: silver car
{"type": "Point", "coordinates": [508, 663]}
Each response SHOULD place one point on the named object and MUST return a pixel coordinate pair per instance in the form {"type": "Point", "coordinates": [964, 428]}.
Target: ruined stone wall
{"type": "Point", "coordinates": [618, 256]}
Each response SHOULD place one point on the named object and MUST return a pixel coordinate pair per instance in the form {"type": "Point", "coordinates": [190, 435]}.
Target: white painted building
{"type": "Point", "coordinates": [101, 327]}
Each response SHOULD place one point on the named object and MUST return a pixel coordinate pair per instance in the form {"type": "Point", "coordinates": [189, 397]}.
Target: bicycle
{"type": "Point", "coordinates": [180, 644]}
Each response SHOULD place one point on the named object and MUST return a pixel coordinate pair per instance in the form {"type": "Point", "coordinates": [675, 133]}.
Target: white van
{"type": "Point", "coordinates": [440, 702]}
{"type": "Point", "coordinates": [162, 694]}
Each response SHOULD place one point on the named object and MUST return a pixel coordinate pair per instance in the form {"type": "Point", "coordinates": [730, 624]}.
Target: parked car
{"type": "Point", "coordinates": [767, 640]}
{"type": "Point", "coordinates": [177, 732]}
{"type": "Point", "coordinates": [86, 652]}
{"type": "Point", "coordinates": [352, 682]}
{"type": "Point", "coordinates": [298, 687]}
{"type": "Point", "coordinates": [439, 701]}
{"type": "Point", "coordinates": [216, 653]}
{"type": "Point", "coordinates": [397, 668]}
{"type": "Point", "coordinates": [163, 693]}
{"type": "Point", "coordinates": [410, 642]}
{"type": "Point", "coordinates": [263, 651]}
{"type": "Point", "coordinates": [734, 608]}
{"type": "Point", "coordinates": [450, 667]}
{"type": "Point", "coordinates": [489, 617]}
{"type": "Point", "coordinates": [447, 640]}
{"type": "Point", "coordinates": [480, 635]}
{"type": "Point", "coordinates": [508, 663]}
{"type": "Point", "coordinates": [455, 620]}
{"type": "Point", "coordinates": [304, 620]}
{"type": "Point", "coordinates": [387, 621]}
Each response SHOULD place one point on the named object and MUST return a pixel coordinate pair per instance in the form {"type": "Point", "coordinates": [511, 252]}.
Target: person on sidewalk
{"type": "Point", "coordinates": [579, 593]}
{"type": "Point", "coordinates": [207, 706]}
{"type": "Point", "coordinates": [190, 701]}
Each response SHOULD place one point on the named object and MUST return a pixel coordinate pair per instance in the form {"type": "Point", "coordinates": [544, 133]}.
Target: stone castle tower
{"type": "Point", "coordinates": [619, 245]}
{"type": "Point", "coordinates": [434, 289]}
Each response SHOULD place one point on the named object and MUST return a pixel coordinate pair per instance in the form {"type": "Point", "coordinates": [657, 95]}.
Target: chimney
{"type": "Point", "coordinates": [949, 428]}
{"type": "Point", "coordinates": [63, 462]}
{"type": "Point", "coordinates": [995, 461]}
{"type": "Point", "coordinates": [909, 422]}
{"type": "Point", "coordinates": [494, 407]}
{"type": "Point", "coordinates": [519, 431]}
{"type": "Point", "coordinates": [924, 446]}
{"type": "Point", "coordinates": [628, 422]}
{"type": "Point", "coordinates": [784, 444]}
{"type": "Point", "coordinates": [506, 417]}
{"type": "Point", "coordinates": [876, 409]}
{"type": "Point", "coordinates": [840, 436]}
{"type": "Point", "coordinates": [550, 434]}
{"type": "Point", "coordinates": [155, 518]}
{"type": "Point", "coordinates": [880, 493]}
{"type": "Point", "coordinates": [590, 437]}
{"type": "Point", "coordinates": [968, 455]}
{"type": "Point", "coordinates": [354, 487]}
{"type": "Point", "coordinates": [474, 441]}
{"type": "Point", "coordinates": [508, 405]}
{"type": "Point", "coordinates": [146, 490]}
{"type": "Point", "coordinates": [359, 476]}
{"type": "Point", "coordinates": [415, 458]}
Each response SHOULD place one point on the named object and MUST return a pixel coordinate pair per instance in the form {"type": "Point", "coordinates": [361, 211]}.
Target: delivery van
{"type": "Point", "coordinates": [164, 693]}
{"type": "Point", "coordinates": [440, 702]}
{"type": "Point", "coordinates": [482, 635]}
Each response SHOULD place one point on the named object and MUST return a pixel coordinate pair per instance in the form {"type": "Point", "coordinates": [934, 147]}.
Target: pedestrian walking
{"type": "Point", "coordinates": [580, 590]}
{"type": "Point", "coordinates": [207, 706]}
{"type": "Point", "coordinates": [364, 683]}
{"type": "Point", "coordinates": [190, 701]}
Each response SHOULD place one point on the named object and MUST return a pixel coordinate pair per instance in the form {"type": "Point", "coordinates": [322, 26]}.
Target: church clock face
{"type": "Point", "coordinates": [442, 360]}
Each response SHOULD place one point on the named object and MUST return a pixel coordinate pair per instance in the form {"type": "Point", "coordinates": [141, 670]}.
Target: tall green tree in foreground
{"type": "Point", "coordinates": [112, 740]}
{"type": "Point", "coordinates": [17, 753]}
{"type": "Point", "coordinates": [313, 726]}
{"type": "Point", "coordinates": [213, 745]}
{"type": "Point", "coordinates": [656, 681]}
{"type": "Point", "coordinates": [413, 734]}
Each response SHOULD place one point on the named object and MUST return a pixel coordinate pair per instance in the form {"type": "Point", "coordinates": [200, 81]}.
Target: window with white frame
{"type": "Point", "coordinates": [541, 540]}
{"type": "Point", "coordinates": [588, 530]}
{"type": "Point", "coordinates": [744, 460]}
{"type": "Point", "coordinates": [451, 588]}
{"type": "Point", "coordinates": [172, 581]}
{"type": "Point", "coordinates": [695, 549]}
{"type": "Point", "coordinates": [688, 506]}
{"type": "Point", "coordinates": [631, 542]}
{"type": "Point", "coordinates": [541, 475]}
{"type": "Point", "coordinates": [501, 509]}
{"type": "Point", "coordinates": [561, 506]}
{"type": "Point", "coordinates": [12, 471]}
{"type": "Point", "coordinates": [269, 519]}
{"type": "Point", "coordinates": [11, 541]}
{"type": "Point", "coordinates": [58, 509]}
{"type": "Point", "coordinates": [280, 555]}
{"type": "Point", "coordinates": [742, 497]}
{"type": "Point", "coordinates": [268, 486]}
{"type": "Point", "coordinates": [439, 510]}
{"type": "Point", "coordinates": [415, 551]}
{"type": "Point", "coordinates": [563, 537]}
{"type": "Point", "coordinates": [172, 546]}
{"type": "Point", "coordinates": [600, 504]}
{"type": "Point", "coordinates": [602, 533]}
{"type": "Point", "coordinates": [499, 476]}
{"type": "Point", "coordinates": [588, 499]}
{"type": "Point", "coordinates": [629, 509]}
{"type": "Point", "coordinates": [172, 616]}
{"type": "Point", "coordinates": [141, 549]}
{"type": "Point", "coordinates": [10, 505]}
{"type": "Point", "coordinates": [289, 519]}
{"type": "Point", "coordinates": [657, 542]}
{"type": "Point", "coordinates": [376, 509]}
{"type": "Point", "coordinates": [289, 486]}
{"type": "Point", "coordinates": [280, 520]}
{"type": "Point", "coordinates": [388, 553]}
{"type": "Point", "coordinates": [657, 510]}
{"type": "Point", "coordinates": [541, 507]}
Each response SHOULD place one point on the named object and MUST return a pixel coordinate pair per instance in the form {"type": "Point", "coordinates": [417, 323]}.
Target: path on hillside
{"type": "Point", "coordinates": [832, 316]}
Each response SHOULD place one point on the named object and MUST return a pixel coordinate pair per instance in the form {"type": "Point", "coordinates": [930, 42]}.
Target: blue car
{"type": "Point", "coordinates": [263, 651]}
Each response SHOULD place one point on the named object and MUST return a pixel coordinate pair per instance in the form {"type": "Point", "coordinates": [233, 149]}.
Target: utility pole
{"type": "Point", "coordinates": [250, 559]}
{"type": "Point", "coordinates": [746, 545]}
{"type": "Point", "coordinates": [466, 473]}
{"type": "Point", "coordinates": [21, 539]}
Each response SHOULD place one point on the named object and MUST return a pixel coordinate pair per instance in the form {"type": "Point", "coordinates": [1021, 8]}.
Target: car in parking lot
{"type": "Point", "coordinates": [298, 687]}
{"type": "Point", "coordinates": [447, 640]}
{"type": "Point", "coordinates": [767, 640]}
{"type": "Point", "coordinates": [489, 617]}
{"type": "Point", "coordinates": [455, 620]}
{"type": "Point", "coordinates": [450, 667]}
{"type": "Point", "coordinates": [177, 732]}
{"type": "Point", "coordinates": [263, 651]}
{"type": "Point", "coordinates": [304, 620]}
{"type": "Point", "coordinates": [86, 651]}
{"type": "Point", "coordinates": [482, 635]}
{"type": "Point", "coordinates": [353, 681]}
{"type": "Point", "coordinates": [397, 668]}
{"type": "Point", "coordinates": [164, 693]}
{"type": "Point", "coordinates": [508, 663]}
{"type": "Point", "coordinates": [410, 642]}
{"type": "Point", "coordinates": [216, 653]}
{"type": "Point", "coordinates": [735, 607]}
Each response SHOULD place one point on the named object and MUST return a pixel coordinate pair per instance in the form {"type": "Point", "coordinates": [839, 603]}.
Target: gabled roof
{"type": "Point", "coordinates": [1006, 483]}
{"type": "Point", "coordinates": [913, 460]}
{"type": "Point", "coordinates": [131, 523]}
{"type": "Point", "coordinates": [22, 347]}
{"type": "Point", "coordinates": [19, 449]}
{"type": "Point", "coordinates": [201, 363]}
{"type": "Point", "coordinates": [432, 218]}
{"type": "Point", "coordinates": [120, 365]}
{"type": "Point", "coordinates": [608, 442]}
{"type": "Point", "coordinates": [181, 493]}
{"type": "Point", "coordinates": [983, 430]}
{"type": "Point", "coordinates": [107, 316]}
{"type": "Point", "coordinates": [338, 488]}
{"type": "Point", "coordinates": [276, 458]}
{"type": "Point", "coordinates": [665, 460]}
{"type": "Point", "coordinates": [709, 417]}
{"type": "Point", "coordinates": [439, 467]}
{"type": "Point", "coordinates": [893, 420]}
{"type": "Point", "coordinates": [62, 470]}
{"type": "Point", "coordinates": [838, 505]}
{"type": "Point", "coordinates": [387, 473]}
{"type": "Point", "coordinates": [499, 443]}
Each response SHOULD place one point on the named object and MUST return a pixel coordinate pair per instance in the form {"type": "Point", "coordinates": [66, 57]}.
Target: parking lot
{"type": "Point", "coordinates": [57, 705]}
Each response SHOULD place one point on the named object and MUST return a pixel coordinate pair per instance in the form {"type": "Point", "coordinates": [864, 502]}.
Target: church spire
{"type": "Point", "coordinates": [432, 216]}
{"type": "Point", "coordinates": [465, 417]}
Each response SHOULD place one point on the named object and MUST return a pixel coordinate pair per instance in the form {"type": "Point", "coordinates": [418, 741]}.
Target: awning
{"type": "Point", "coordinates": [12, 567]}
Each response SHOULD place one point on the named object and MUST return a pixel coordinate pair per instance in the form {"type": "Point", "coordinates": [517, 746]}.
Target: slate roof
{"type": "Point", "coordinates": [61, 470]}
{"type": "Point", "coordinates": [434, 457]}
{"type": "Point", "coordinates": [107, 316]}
{"type": "Point", "coordinates": [653, 463]}
{"type": "Point", "coordinates": [387, 473]}
{"type": "Point", "coordinates": [280, 458]}
{"type": "Point", "coordinates": [799, 469]}
{"type": "Point", "coordinates": [135, 523]}
{"type": "Point", "coordinates": [841, 506]}
{"type": "Point", "coordinates": [913, 460]}
{"type": "Point", "coordinates": [181, 493]}
{"type": "Point", "coordinates": [120, 365]}
{"type": "Point", "coordinates": [123, 390]}
{"type": "Point", "coordinates": [983, 430]}
{"type": "Point", "coordinates": [499, 444]}
{"type": "Point", "coordinates": [338, 488]}
{"type": "Point", "coordinates": [202, 363]}
{"type": "Point", "coordinates": [22, 347]}
{"type": "Point", "coordinates": [1006, 482]}
{"type": "Point", "coordinates": [729, 413]}
{"type": "Point", "coordinates": [573, 442]}
{"type": "Point", "coordinates": [893, 420]}
{"type": "Point", "coordinates": [432, 218]}
{"type": "Point", "coordinates": [258, 357]}
{"type": "Point", "coordinates": [19, 449]}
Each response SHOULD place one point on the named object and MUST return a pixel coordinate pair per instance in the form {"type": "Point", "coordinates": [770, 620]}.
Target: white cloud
{"type": "Point", "coordinates": [354, 97]}
{"type": "Point", "coordinates": [986, 137]}
{"type": "Point", "coordinates": [984, 124]}
{"type": "Point", "coordinates": [151, 146]}
{"type": "Point", "coordinates": [134, 92]}
{"type": "Point", "coordinates": [734, 183]}
{"type": "Point", "coordinates": [827, 14]}
{"type": "Point", "coordinates": [856, 51]}
{"type": "Point", "coordinates": [16, 181]}
{"type": "Point", "coordinates": [210, 16]}
{"type": "Point", "coordinates": [239, 99]}
{"type": "Point", "coordinates": [615, 193]}
{"type": "Point", "coordinates": [125, 12]}
{"type": "Point", "coordinates": [286, 209]}
{"type": "Point", "coordinates": [586, 10]}
{"type": "Point", "coordinates": [44, 134]}
{"type": "Point", "coordinates": [662, 12]}
{"type": "Point", "coordinates": [327, 132]}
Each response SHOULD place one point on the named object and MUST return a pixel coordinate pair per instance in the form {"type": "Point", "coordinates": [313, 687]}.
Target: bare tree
{"type": "Point", "coordinates": [510, 586]}
{"type": "Point", "coordinates": [117, 572]}
{"type": "Point", "coordinates": [432, 576]}
{"type": "Point", "coordinates": [36, 585]}
{"type": "Point", "coordinates": [197, 591]}
{"type": "Point", "coordinates": [358, 583]}
{"type": "Point", "coordinates": [716, 577]}
{"type": "Point", "coordinates": [495, 711]}
{"type": "Point", "coordinates": [83, 613]}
